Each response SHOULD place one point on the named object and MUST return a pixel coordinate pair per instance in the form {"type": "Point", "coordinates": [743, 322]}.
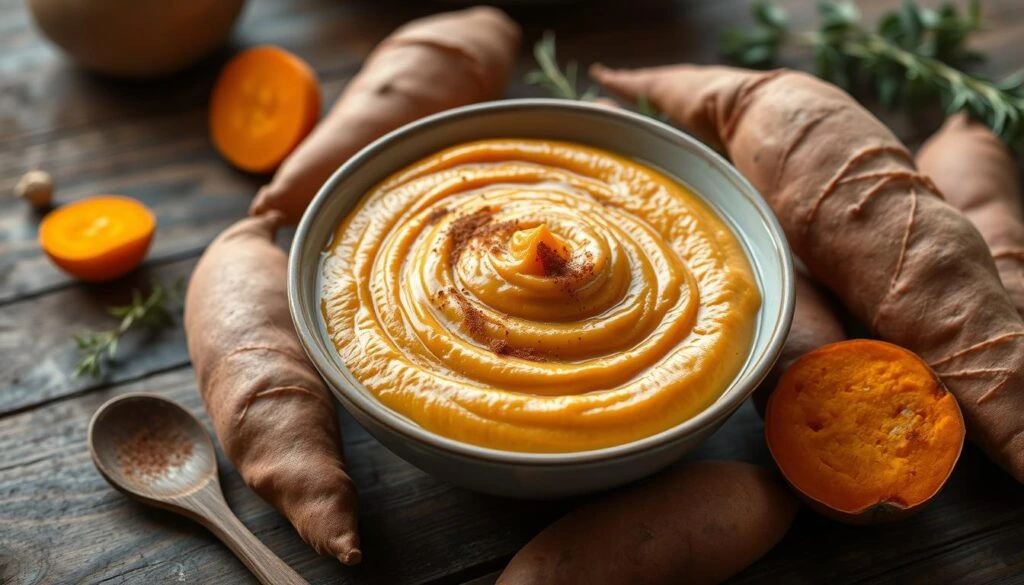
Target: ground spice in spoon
{"type": "Point", "coordinates": [151, 447]}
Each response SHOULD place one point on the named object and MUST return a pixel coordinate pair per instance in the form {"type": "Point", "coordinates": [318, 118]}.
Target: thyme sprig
{"type": "Point", "coordinates": [916, 55]}
{"type": "Point", "coordinates": [550, 76]}
{"type": "Point", "coordinates": [153, 310]}
{"type": "Point", "coordinates": [564, 84]}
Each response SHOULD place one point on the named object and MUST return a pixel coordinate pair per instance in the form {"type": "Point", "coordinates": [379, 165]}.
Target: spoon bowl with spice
{"type": "Point", "coordinates": [154, 450]}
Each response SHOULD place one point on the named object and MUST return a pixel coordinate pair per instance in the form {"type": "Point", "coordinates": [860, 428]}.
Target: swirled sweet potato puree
{"type": "Point", "coordinates": [538, 296]}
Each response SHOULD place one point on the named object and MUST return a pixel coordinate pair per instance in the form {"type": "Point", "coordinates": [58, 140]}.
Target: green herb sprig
{"type": "Point", "coordinates": [154, 310]}
{"type": "Point", "coordinates": [550, 77]}
{"type": "Point", "coordinates": [916, 55]}
{"type": "Point", "coordinates": [564, 84]}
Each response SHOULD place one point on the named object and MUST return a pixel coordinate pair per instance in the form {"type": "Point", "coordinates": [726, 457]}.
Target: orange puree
{"type": "Point", "coordinates": [538, 296]}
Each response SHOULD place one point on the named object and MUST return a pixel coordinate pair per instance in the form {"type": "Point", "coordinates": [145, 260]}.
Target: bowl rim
{"type": "Point", "coordinates": [353, 395]}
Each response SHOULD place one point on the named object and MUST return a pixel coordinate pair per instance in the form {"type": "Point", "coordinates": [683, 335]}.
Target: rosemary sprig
{"type": "Point", "coordinates": [551, 78]}
{"type": "Point", "coordinates": [154, 310]}
{"type": "Point", "coordinates": [564, 84]}
{"type": "Point", "coordinates": [916, 55]}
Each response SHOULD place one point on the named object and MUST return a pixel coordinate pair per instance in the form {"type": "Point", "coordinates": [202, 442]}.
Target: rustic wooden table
{"type": "Point", "coordinates": [61, 523]}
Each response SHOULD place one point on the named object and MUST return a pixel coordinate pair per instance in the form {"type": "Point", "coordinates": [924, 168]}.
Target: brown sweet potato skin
{"type": "Point", "coordinates": [273, 415]}
{"type": "Point", "coordinates": [867, 224]}
{"type": "Point", "coordinates": [698, 525]}
{"type": "Point", "coordinates": [426, 66]}
{"type": "Point", "coordinates": [815, 324]}
{"type": "Point", "coordinates": [977, 174]}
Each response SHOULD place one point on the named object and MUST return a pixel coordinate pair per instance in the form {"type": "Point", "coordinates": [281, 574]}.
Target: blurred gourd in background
{"type": "Point", "coordinates": [136, 38]}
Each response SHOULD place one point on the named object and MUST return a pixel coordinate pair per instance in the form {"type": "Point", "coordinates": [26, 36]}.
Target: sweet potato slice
{"type": "Point", "coordinates": [864, 430]}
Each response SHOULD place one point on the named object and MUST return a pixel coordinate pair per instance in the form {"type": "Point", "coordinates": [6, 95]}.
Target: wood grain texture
{"type": "Point", "coordinates": [64, 524]}
{"type": "Point", "coordinates": [122, 436]}
{"type": "Point", "coordinates": [60, 522]}
{"type": "Point", "coordinates": [39, 354]}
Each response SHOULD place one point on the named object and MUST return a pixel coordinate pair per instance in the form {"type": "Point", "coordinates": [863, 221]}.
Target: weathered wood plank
{"type": "Point", "coordinates": [39, 354]}
{"type": "Point", "coordinates": [63, 524]}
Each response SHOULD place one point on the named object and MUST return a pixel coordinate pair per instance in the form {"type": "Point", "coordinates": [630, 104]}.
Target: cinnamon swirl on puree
{"type": "Point", "coordinates": [538, 296]}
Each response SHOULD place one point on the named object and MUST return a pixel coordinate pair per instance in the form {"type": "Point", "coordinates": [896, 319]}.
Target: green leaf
{"type": "Point", "coordinates": [757, 55]}
{"type": "Point", "coordinates": [535, 77]}
{"type": "Point", "coordinates": [1011, 83]}
{"type": "Point", "coordinates": [928, 18]}
{"type": "Point", "coordinates": [888, 91]}
{"type": "Point", "coordinates": [770, 15]}
{"type": "Point", "coordinates": [913, 28]}
{"type": "Point", "coordinates": [889, 26]}
{"type": "Point", "coordinates": [840, 12]}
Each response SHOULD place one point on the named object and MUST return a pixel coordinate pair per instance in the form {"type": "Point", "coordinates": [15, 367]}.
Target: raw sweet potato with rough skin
{"type": "Point", "coordinates": [271, 411]}
{"type": "Point", "coordinates": [426, 66]}
{"type": "Point", "coordinates": [698, 525]}
{"type": "Point", "coordinates": [977, 174]}
{"type": "Point", "coordinates": [866, 223]}
{"type": "Point", "coordinates": [815, 324]}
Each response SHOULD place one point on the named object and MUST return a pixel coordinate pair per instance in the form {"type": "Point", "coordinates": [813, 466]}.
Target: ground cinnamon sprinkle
{"type": "Point", "coordinates": [475, 323]}
{"type": "Point", "coordinates": [436, 215]}
{"type": "Point", "coordinates": [480, 226]}
{"type": "Point", "coordinates": [153, 446]}
{"type": "Point", "coordinates": [472, 318]}
{"type": "Point", "coordinates": [503, 347]}
{"type": "Point", "coordinates": [464, 229]}
{"type": "Point", "coordinates": [576, 272]}
{"type": "Point", "coordinates": [551, 261]}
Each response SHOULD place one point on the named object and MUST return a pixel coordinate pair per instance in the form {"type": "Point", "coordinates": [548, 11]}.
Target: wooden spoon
{"type": "Point", "coordinates": [155, 451]}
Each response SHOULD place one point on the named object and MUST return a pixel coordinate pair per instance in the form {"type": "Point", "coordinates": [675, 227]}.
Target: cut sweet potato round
{"type": "Point", "coordinates": [864, 430]}
{"type": "Point", "coordinates": [98, 238]}
{"type": "Point", "coordinates": [265, 102]}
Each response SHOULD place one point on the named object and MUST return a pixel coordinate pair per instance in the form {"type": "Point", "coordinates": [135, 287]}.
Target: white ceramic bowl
{"type": "Point", "coordinates": [544, 475]}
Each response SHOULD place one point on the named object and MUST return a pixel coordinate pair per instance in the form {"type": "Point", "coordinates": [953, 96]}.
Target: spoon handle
{"type": "Point", "coordinates": [213, 512]}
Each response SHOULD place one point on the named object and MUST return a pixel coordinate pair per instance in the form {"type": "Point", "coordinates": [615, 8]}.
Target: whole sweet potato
{"type": "Point", "coordinates": [977, 174]}
{"type": "Point", "coordinates": [866, 224]}
{"type": "Point", "coordinates": [273, 415]}
{"type": "Point", "coordinates": [697, 525]}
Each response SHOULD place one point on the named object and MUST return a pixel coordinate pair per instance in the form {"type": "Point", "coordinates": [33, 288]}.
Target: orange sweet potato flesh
{"type": "Point", "coordinates": [864, 430]}
{"type": "Point", "coordinates": [427, 66]}
{"type": "Point", "coordinates": [977, 174]}
{"type": "Point", "coordinates": [272, 413]}
{"type": "Point", "coordinates": [697, 525]}
{"type": "Point", "coordinates": [867, 224]}
{"type": "Point", "coordinates": [815, 324]}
